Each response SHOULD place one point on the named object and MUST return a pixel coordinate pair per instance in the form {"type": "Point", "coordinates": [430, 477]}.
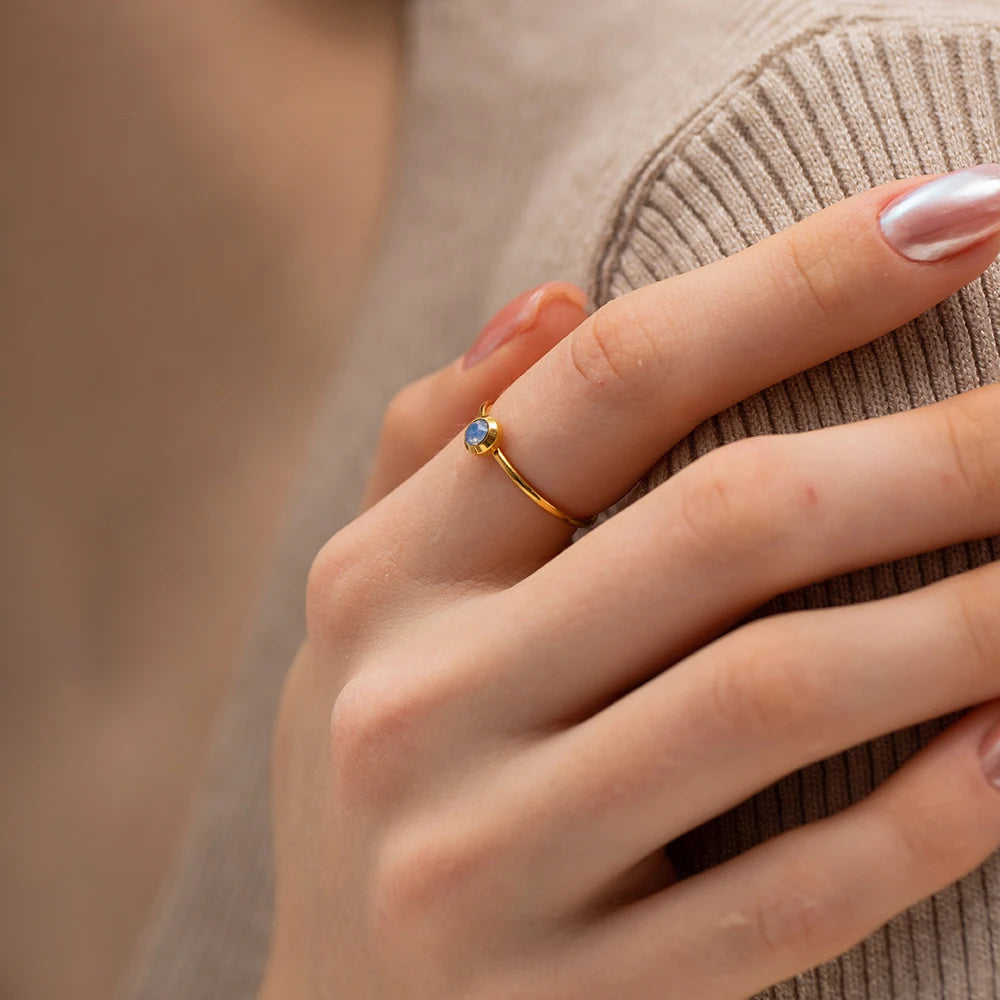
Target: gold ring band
{"type": "Point", "coordinates": [483, 436]}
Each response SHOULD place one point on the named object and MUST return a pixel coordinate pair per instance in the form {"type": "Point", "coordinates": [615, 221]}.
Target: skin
{"type": "Point", "coordinates": [180, 254]}
{"type": "Point", "coordinates": [489, 735]}
{"type": "Point", "coordinates": [179, 264]}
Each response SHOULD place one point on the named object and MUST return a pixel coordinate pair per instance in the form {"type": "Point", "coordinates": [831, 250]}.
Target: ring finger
{"type": "Point", "coordinates": [737, 527]}
{"type": "Point", "coordinates": [670, 573]}
{"type": "Point", "coordinates": [593, 414]}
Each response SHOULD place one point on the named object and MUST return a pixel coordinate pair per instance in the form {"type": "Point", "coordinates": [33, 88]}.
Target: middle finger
{"type": "Point", "coordinates": [739, 526]}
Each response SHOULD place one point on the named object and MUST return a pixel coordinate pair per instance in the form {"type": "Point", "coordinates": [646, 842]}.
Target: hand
{"type": "Point", "coordinates": [490, 735]}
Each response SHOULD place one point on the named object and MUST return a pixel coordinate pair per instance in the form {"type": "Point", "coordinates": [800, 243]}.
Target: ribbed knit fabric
{"type": "Point", "coordinates": [836, 110]}
{"type": "Point", "coordinates": [614, 142]}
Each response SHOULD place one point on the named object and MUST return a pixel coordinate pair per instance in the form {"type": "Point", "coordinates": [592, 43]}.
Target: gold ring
{"type": "Point", "coordinates": [482, 437]}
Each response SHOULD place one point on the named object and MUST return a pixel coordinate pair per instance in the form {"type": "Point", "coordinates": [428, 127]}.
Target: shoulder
{"type": "Point", "coordinates": [848, 97]}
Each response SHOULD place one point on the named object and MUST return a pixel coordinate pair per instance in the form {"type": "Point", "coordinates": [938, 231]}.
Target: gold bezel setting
{"type": "Point", "coordinates": [482, 436]}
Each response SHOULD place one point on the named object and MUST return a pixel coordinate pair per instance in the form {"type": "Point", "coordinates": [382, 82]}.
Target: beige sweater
{"type": "Point", "coordinates": [663, 134]}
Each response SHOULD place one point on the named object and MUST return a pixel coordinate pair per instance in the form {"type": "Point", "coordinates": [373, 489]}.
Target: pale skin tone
{"type": "Point", "coordinates": [490, 734]}
{"type": "Point", "coordinates": [460, 786]}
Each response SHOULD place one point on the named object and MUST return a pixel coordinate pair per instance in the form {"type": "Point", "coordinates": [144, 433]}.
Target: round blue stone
{"type": "Point", "coordinates": [476, 432]}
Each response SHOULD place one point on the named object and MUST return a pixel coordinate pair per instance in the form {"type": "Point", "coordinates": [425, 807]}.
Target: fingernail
{"type": "Point", "coordinates": [989, 752]}
{"type": "Point", "coordinates": [945, 216]}
{"type": "Point", "coordinates": [518, 316]}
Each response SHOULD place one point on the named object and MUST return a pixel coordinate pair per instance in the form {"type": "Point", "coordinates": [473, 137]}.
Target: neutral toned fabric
{"type": "Point", "coordinates": [834, 110]}
{"type": "Point", "coordinates": [664, 135]}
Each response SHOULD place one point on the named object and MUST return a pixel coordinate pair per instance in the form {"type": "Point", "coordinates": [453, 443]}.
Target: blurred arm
{"type": "Point", "coordinates": [190, 188]}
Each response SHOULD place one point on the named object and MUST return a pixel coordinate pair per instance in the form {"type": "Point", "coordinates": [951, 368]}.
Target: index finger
{"type": "Point", "coordinates": [585, 422]}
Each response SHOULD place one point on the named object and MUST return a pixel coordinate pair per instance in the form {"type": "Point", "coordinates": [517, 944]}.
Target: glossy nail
{"type": "Point", "coordinates": [945, 216]}
{"type": "Point", "coordinates": [519, 316]}
{"type": "Point", "coordinates": [989, 752]}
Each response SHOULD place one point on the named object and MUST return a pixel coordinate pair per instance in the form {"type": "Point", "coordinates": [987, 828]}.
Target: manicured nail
{"type": "Point", "coordinates": [518, 316]}
{"type": "Point", "coordinates": [945, 216]}
{"type": "Point", "coordinates": [989, 752]}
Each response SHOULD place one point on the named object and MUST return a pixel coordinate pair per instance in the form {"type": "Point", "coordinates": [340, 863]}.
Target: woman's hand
{"type": "Point", "coordinates": [489, 736]}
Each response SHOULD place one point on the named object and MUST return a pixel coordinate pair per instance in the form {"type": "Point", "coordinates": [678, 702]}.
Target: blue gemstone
{"type": "Point", "coordinates": [476, 432]}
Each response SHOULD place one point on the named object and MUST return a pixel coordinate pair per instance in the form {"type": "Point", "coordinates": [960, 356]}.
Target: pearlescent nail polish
{"type": "Point", "coordinates": [989, 752]}
{"type": "Point", "coordinates": [945, 216]}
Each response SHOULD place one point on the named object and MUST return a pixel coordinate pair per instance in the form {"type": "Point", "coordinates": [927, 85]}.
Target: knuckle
{"type": "Point", "coordinates": [615, 350]}
{"type": "Point", "coordinates": [378, 728]}
{"type": "Point", "coordinates": [800, 917]}
{"type": "Point", "coordinates": [713, 510]}
{"type": "Point", "coordinates": [766, 689]}
{"type": "Point", "coordinates": [336, 587]}
{"type": "Point", "coordinates": [975, 611]}
{"type": "Point", "coordinates": [803, 271]}
{"type": "Point", "coordinates": [971, 460]}
{"type": "Point", "coordinates": [426, 874]}
{"type": "Point", "coordinates": [728, 497]}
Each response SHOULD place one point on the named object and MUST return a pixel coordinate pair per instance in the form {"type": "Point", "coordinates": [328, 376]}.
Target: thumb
{"type": "Point", "coordinates": [424, 415]}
